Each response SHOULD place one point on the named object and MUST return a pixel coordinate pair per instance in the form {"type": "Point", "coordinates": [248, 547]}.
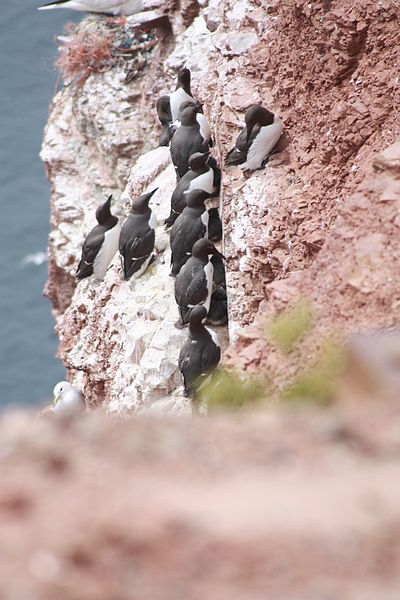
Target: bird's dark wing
{"type": "Point", "coordinates": [163, 107]}
{"type": "Point", "coordinates": [238, 154]}
{"type": "Point", "coordinates": [178, 199]}
{"type": "Point", "coordinates": [218, 313]}
{"type": "Point", "coordinates": [143, 246]}
{"type": "Point", "coordinates": [196, 291]}
{"type": "Point", "coordinates": [210, 357]}
{"type": "Point", "coordinates": [185, 142]}
{"type": "Point", "coordinates": [183, 235]}
{"type": "Point", "coordinates": [185, 365]}
{"type": "Point", "coordinates": [136, 252]}
{"type": "Point", "coordinates": [167, 132]}
{"type": "Point", "coordinates": [182, 248]}
{"type": "Point", "coordinates": [214, 225]}
{"type": "Point", "coordinates": [90, 248]}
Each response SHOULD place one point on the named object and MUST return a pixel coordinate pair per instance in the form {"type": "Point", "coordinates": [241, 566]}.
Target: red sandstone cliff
{"type": "Point", "coordinates": [320, 222]}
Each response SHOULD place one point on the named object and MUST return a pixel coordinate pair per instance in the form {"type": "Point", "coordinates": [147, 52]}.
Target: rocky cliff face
{"type": "Point", "coordinates": [319, 222]}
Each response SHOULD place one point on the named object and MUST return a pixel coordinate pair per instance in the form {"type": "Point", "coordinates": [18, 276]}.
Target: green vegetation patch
{"type": "Point", "coordinates": [317, 385]}
{"type": "Point", "coordinates": [289, 328]}
{"type": "Point", "coordinates": [228, 391]}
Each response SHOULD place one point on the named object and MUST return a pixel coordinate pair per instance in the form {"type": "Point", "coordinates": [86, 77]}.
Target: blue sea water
{"type": "Point", "coordinates": [28, 367]}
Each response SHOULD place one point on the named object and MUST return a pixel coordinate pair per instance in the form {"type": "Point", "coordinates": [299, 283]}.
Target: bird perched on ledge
{"type": "Point", "coordinates": [187, 140]}
{"type": "Point", "coordinates": [194, 283]}
{"type": "Point", "coordinates": [199, 177]}
{"type": "Point", "coordinates": [136, 241]}
{"type": "Point", "coordinates": [189, 227]}
{"type": "Point", "coordinates": [112, 7]}
{"type": "Point", "coordinates": [100, 244]}
{"type": "Point", "coordinates": [165, 117]}
{"type": "Point", "coordinates": [68, 400]}
{"type": "Point", "coordinates": [200, 354]}
{"type": "Point", "coordinates": [256, 140]}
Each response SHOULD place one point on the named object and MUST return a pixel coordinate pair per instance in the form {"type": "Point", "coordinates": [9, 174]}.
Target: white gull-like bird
{"type": "Point", "coordinates": [112, 7]}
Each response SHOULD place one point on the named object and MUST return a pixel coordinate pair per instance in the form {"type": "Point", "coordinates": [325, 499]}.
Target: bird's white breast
{"type": "Point", "coordinates": [153, 220]}
{"type": "Point", "coordinates": [205, 217]}
{"type": "Point", "coordinates": [205, 182]}
{"type": "Point", "coordinates": [177, 98]}
{"type": "Point", "coordinates": [213, 336]}
{"type": "Point", "coordinates": [205, 129]}
{"type": "Point", "coordinates": [107, 251]}
{"type": "Point", "coordinates": [263, 144]}
{"type": "Point", "coordinates": [70, 403]}
{"type": "Point", "coordinates": [209, 271]}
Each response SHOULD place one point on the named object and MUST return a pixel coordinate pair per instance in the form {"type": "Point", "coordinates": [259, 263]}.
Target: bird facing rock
{"type": "Point", "coordinates": [218, 313]}
{"type": "Point", "coordinates": [189, 227]}
{"type": "Point", "coordinates": [187, 140]}
{"type": "Point", "coordinates": [214, 225]}
{"type": "Point", "coordinates": [194, 283]}
{"type": "Point", "coordinates": [200, 353]}
{"type": "Point", "coordinates": [100, 244]}
{"type": "Point", "coordinates": [111, 7]}
{"type": "Point", "coordinates": [137, 237]}
{"type": "Point", "coordinates": [68, 401]}
{"type": "Point", "coordinates": [199, 177]}
{"type": "Point", "coordinates": [256, 140]}
{"type": "Point", "coordinates": [164, 116]}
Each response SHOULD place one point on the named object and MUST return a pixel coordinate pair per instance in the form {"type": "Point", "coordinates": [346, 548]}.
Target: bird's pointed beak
{"type": "Point", "coordinates": [55, 400]}
{"type": "Point", "coordinates": [108, 203]}
{"type": "Point", "coordinates": [152, 192]}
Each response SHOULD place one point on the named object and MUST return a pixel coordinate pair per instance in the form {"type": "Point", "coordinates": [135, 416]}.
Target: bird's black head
{"type": "Point", "coordinates": [164, 110]}
{"type": "Point", "coordinates": [103, 213]}
{"type": "Point", "coordinates": [196, 198]}
{"type": "Point", "coordinates": [198, 160]}
{"type": "Point", "coordinates": [189, 103]}
{"type": "Point", "coordinates": [203, 248]}
{"type": "Point", "coordinates": [140, 205]}
{"type": "Point", "coordinates": [184, 80]}
{"type": "Point", "coordinates": [198, 315]}
{"type": "Point", "coordinates": [257, 115]}
{"type": "Point", "coordinates": [188, 115]}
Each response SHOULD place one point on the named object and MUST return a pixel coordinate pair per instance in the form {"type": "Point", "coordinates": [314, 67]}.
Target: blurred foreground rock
{"type": "Point", "coordinates": [279, 505]}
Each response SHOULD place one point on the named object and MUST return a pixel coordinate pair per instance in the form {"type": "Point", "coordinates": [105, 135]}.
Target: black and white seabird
{"type": "Point", "coordinates": [194, 282]}
{"type": "Point", "coordinates": [181, 94]}
{"type": "Point", "coordinates": [189, 227]}
{"type": "Point", "coordinates": [68, 400]}
{"type": "Point", "coordinates": [100, 244]}
{"type": "Point", "coordinates": [187, 140]}
{"type": "Point", "coordinates": [164, 116]}
{"type": "Point", "coordinates": [183, 97]}
{"type": "Point", "coordinates": [199, 177]}
{"type": "Point", "coordinates": [200, 353]}
{"type": "Point", "coordinates": [205, 129]}
{"type": "Point", "coordinates": [137, 237]}
{"type": "Point", "coordinates": [112, 7]}
{"type": "Point", "coordinates": [219, 272]}
{"type": "Point", "coordinates": [256, 140]}
{"type": "Point", "coordinates": [218, 313]}
{"type": "Point", "coordinates": [214, 225]}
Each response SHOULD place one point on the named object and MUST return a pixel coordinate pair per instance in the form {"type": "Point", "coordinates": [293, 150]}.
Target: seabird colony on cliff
{"type": "Point", "coordinates": [197, 264]}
